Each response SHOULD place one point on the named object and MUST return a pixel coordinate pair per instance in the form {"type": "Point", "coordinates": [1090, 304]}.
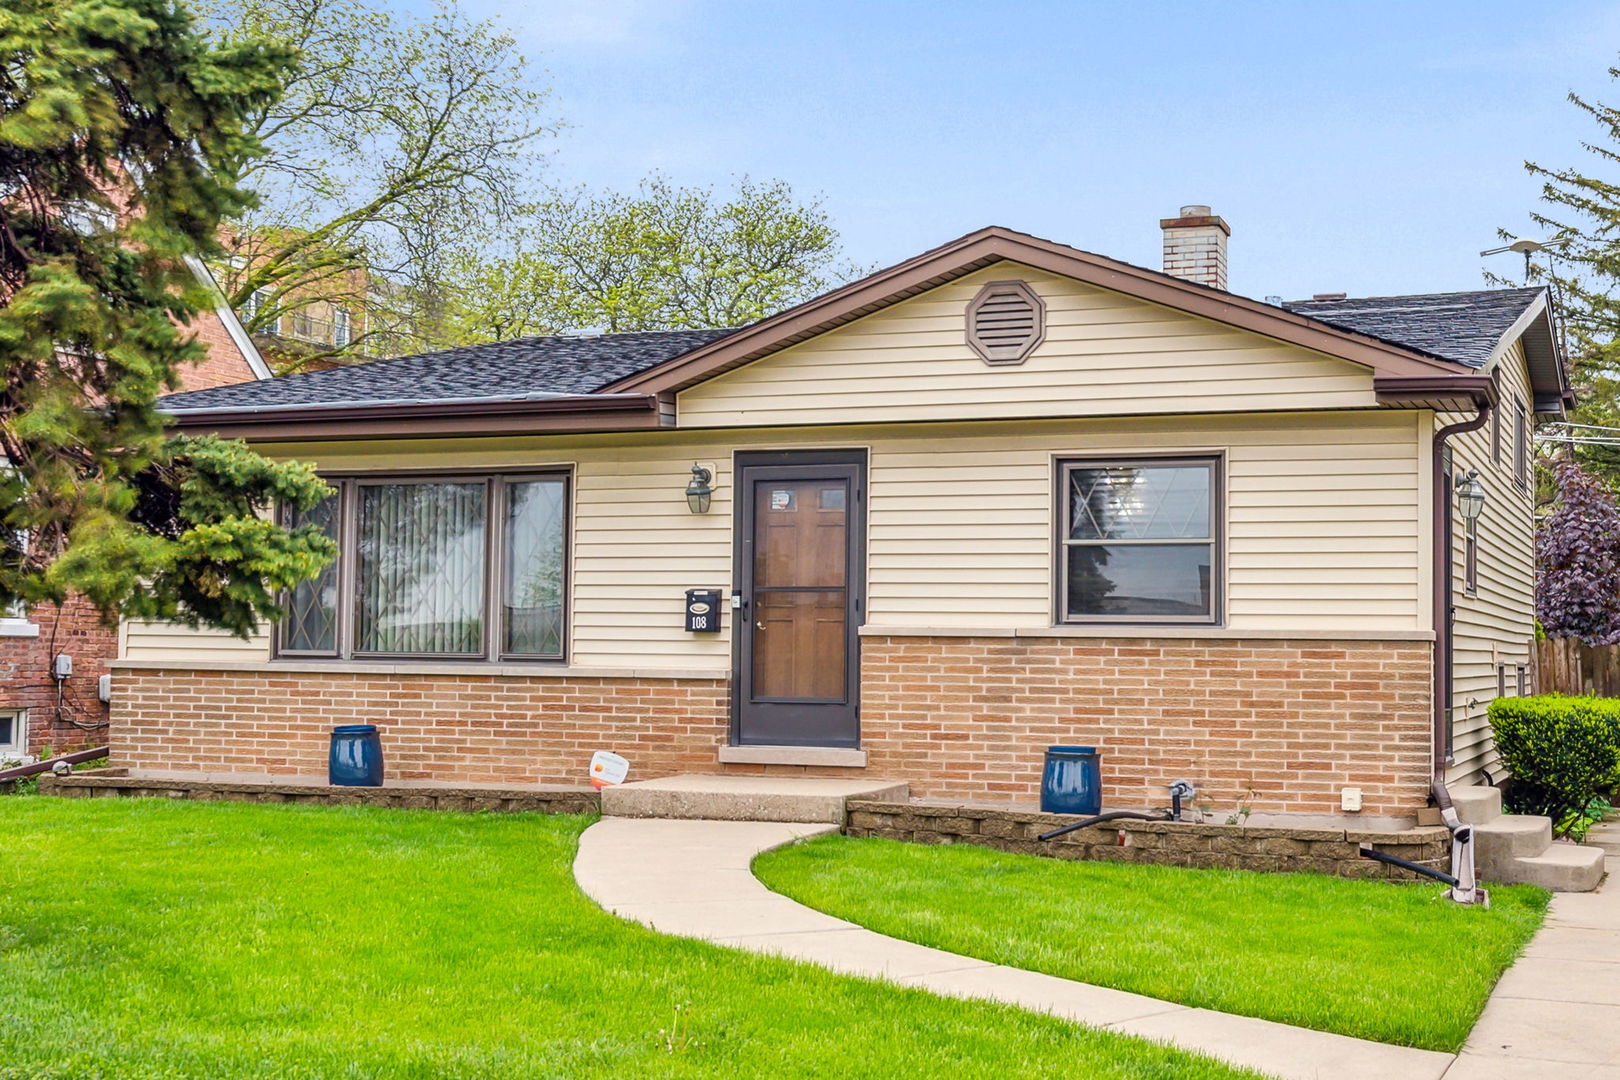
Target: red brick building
{"type": "Point", "coordinates": [40, 711]}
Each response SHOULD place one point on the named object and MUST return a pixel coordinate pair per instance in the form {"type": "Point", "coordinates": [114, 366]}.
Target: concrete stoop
{"type": "Point", "coordinates": [745, 798]}
{"type": "Point", "coordinates": [1519, 848]}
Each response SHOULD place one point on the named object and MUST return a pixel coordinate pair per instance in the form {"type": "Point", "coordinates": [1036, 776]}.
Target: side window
{"type": "Point", "coordinates": [1140, 541]}
{"type": "Point", "coordinates": [1471, 557]}
{"type": "Point", "coordinates": [13, 735]}
{"type": "Point", "coordinates": [1521, 445]}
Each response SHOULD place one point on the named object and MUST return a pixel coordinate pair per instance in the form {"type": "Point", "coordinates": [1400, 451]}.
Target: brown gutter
{"type": "Point", "coordinates": [429, 419]}
{"type": "Point", "coordinates": [1443, 586]}
{"type": "Point", "coordinates": [1443, 393]}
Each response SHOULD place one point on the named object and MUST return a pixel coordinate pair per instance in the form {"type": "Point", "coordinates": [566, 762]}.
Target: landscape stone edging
{"type": "Point", "coordinates": [1272, 848]}
{"type": "Point", "coordinates": [97, 784]}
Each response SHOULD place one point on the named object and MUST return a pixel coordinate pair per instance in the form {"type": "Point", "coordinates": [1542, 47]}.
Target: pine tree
{"type": "Point", "coordinates": [1582, 211]}
{"type": "Point", "coordinates": [121, 132]}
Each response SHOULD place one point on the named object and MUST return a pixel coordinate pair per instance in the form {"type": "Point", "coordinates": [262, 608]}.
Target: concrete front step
{"type": "Point", "coordinates": [1477, 805]}
{"type": "Point", "coordinates": [1498, 843]}
{"type": "Point", "coordinates": [1561, 868]}
{"type": "Point", "coordinates": [745, 798]}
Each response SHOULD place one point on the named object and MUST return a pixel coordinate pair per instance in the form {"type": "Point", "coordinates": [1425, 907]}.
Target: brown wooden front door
{"type": "Point", "coordinates": [799, 559]}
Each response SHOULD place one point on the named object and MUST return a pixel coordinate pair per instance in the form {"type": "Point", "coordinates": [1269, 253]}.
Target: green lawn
{"type": "Point", "coordinates": [158, 940]}
{"type": "Point", "coordinates": [1396, 963]}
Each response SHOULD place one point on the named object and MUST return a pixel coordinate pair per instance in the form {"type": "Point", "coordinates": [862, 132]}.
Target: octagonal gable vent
{"type": "Point", "coordinates": [1005, 321]}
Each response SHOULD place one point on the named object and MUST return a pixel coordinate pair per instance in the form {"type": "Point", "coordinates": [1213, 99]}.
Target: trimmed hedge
{"type": "Point", "coordinates": [1562, 751]}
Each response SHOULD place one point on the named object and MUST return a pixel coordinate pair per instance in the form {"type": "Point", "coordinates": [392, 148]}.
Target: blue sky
{"type": "Point", "coordinates": [1360, 147]}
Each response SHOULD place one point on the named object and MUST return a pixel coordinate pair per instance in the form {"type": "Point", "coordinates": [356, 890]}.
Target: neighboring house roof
{"type": "Point", "coordinates": [1465, 327]}
{"type": "Point", "coordinates": [525, 368]}
{"type": "Point", "coordinates": [626, 380]}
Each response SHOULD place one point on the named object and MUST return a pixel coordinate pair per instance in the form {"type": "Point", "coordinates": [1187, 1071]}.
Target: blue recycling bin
{"type": "Point", "coordinates": [1071, 781]}
{"type": "Point", "coordinates": [356, 759]}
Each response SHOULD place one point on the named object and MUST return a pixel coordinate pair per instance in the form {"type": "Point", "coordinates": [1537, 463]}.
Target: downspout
{"type": "Point", "coordinates": [1443, 589]}
{"type": "Point", "coordinates": [1464, 888]}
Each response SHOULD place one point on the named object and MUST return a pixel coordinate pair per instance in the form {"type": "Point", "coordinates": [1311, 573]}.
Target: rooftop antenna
{"type": "Point", "coordinates": [1527, 248]}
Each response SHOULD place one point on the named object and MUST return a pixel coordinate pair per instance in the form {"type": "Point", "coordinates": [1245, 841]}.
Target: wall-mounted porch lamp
{"type": "Point", "coordinates": [1470, 496]}
{"type": "Point", "coordinates": [699, 491]}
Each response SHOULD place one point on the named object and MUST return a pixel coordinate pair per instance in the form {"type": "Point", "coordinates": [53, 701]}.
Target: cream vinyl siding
{"type": "Point", "coordinates": [165, 641]}
{"type": "Point", "coordinates": [1497, 625]}
{"type": "Point", "coordinates": [1104, 354]}
{"type": "Point", "coordinates": [1323, 529]}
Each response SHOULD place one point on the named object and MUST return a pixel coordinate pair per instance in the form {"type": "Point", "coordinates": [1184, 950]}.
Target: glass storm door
{"type": "Point", "coordinates": [799, 563]}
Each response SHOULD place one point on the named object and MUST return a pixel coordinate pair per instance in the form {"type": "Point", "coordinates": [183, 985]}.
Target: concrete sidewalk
{"type": "Point", "coordinates": [1556, 1013]}
{"type": "Point", "coordinates": [692, 878]}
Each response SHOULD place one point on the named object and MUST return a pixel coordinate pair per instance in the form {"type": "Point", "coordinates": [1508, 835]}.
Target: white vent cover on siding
{"type": "Point", "coordinates": [1005, 321]}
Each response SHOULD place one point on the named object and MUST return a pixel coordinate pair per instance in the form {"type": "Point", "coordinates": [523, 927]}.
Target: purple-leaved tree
{"type": "Point", "coordinates": [1578, 560]}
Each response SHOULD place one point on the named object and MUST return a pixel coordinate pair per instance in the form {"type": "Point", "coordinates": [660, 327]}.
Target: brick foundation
{"type": "Point", "coordinates": [1277, 726]}
{"type": "Point", "coordinates": [1165, 843]}
{"type": "Point", "coordinates": [115, 783]}
{"type": "Point", "coordinates": [485, 729]}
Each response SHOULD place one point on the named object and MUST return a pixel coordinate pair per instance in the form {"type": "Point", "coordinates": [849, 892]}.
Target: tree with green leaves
{"type": "Point", "coordinates": [123, 134]}
{"type": "Point", "coordinates": [1581, 212]}
{"type": "Point", "coordinates": [395, 141]}
{"type": "Point", "coordinates": [663, 258]}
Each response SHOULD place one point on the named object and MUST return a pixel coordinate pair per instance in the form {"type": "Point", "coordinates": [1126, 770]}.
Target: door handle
{"type": "Point", "coordinates": [759, 625]}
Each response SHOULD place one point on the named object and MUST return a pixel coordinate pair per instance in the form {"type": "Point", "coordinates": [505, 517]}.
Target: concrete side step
{"type": "Point", "coordinates": [745, 798]}
{"type": "Point", "coordinates": [1478, 804]}
{"type": "Point", "coordinates": [1561, 868]}
{"type": "Point", "coordinates": [1513, 836]}
{"type": "Point", "coordinates": [1605, 836]}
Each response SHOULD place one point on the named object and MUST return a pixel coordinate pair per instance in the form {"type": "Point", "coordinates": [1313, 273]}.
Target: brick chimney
{"type": "Point", "coordinates": [1195, 246]}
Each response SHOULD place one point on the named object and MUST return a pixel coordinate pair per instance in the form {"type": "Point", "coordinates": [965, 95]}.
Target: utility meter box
{"type": "Point", "coordinates": [703, 611]}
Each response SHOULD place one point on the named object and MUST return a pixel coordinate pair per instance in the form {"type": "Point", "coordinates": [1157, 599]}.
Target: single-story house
{"type": "Point", "coordinates": [1002, 495]}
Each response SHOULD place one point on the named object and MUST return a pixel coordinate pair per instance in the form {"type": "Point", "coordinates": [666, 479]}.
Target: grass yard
{"type": "Point", "coordinates": [159, 940]}
{"type": "Point", "coordinates": [1395, 963]}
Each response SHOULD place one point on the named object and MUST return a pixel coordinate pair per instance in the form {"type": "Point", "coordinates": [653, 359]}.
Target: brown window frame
{"type": "Point", "coordinates": [1521, 446]}
{"type": "Point", "coordinates": [1216, 463]}
{"type": "Point", "coordinates": [496, 505]}
{"type": "Point", "coordinates": [1471, 558]}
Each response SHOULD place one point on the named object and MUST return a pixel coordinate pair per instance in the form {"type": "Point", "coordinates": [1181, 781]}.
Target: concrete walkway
{"type": "Point", "coordinates": [1556, 1013]}
{"type": "Point", "coordinates": [692, 878]}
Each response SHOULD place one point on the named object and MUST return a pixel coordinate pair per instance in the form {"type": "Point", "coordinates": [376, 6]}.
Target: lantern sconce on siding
{"type": "Point", "coordinates": [1470, 496]}
{"type": "Point", "coordinates": [700, 491]}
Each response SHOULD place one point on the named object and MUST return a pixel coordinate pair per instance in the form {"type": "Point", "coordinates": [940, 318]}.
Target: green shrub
{"type": "Point", "coordinates": [1562, 751]}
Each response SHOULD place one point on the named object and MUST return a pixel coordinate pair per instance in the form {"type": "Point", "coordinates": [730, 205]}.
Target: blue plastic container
{"type": "Point", "coordinates": [1071, 781]}
{"type": "Point", "coordinates": [356, 759]}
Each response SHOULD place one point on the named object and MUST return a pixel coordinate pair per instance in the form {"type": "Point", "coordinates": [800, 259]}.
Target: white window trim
{"type": "Point", "coordinates": [13, 625]}
{"type": "Point", "coordinates": [17, 749]}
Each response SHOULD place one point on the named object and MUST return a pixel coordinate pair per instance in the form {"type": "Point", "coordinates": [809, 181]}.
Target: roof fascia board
{"type": "Point", "coordinates": [227, 315]}
{"type": "Point", "coordinates": [1536, 309]}
{"type": "Point", "coordinates": [1541, 352]}
{"type": "Point", "coordinates": [987, 246]}
{"type": "Point", "coordinates": [619, 412]}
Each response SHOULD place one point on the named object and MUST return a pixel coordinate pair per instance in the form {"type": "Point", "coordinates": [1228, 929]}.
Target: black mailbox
{"type": "Point", "coordinates": [703, 611]}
